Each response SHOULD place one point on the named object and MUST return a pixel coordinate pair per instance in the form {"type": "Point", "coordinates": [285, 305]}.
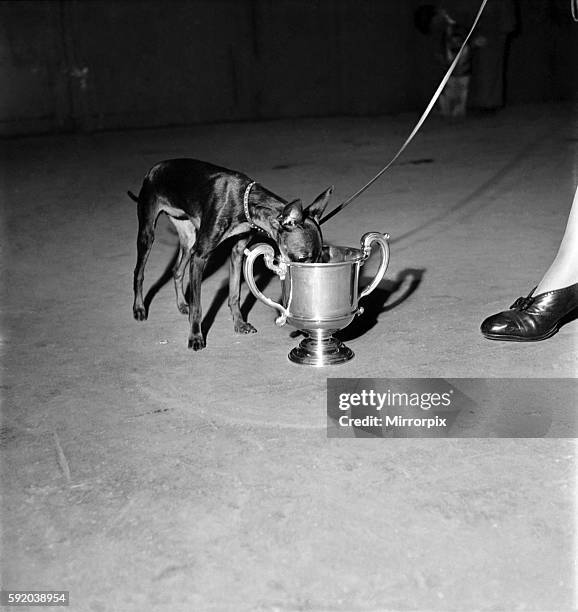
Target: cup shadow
{"type": "Point", "coordinates": [377, 302]}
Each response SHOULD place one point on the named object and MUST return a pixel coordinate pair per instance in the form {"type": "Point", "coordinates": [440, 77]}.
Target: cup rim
{"type": "Point", "coordinates": [359, 255]}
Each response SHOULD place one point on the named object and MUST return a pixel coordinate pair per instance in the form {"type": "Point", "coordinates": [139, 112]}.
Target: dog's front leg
{"type": "Point", "coordinates": [235, 266]}
{"type": "Point", "coordinates": [196, 268]}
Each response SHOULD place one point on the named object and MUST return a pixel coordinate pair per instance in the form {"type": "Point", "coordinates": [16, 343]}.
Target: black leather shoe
{"type": "Point", "coordinates": [534, 317]}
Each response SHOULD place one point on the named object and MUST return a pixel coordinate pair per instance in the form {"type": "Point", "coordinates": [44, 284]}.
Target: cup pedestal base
{"type": "Point", "coordinates": [320, 348]}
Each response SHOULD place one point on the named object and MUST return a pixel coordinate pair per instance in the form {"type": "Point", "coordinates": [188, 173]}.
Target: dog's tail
{"type": "Point", "coordinates": [132, 196]}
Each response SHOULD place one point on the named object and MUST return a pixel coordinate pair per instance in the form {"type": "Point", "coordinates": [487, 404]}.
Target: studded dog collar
{"type": "Point", "coordinates": [246, 209]}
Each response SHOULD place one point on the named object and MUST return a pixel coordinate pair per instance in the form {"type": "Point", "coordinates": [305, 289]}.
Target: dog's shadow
{"type": "Point", "coordinates": [262, 276]}
{"type": "Point", "coordinates": [377, 302]}
{"type": "Point", "coordinates": [217, 260]}
{"type": "Point", "coordinates": [163, 279]}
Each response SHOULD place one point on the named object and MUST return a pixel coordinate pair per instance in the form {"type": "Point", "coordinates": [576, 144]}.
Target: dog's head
{"type": "Point", "coordinates": [298, 231]}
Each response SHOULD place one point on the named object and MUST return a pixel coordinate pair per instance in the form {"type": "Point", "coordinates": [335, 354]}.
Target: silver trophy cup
{"type": "Point", "coordinates": [320, 298]}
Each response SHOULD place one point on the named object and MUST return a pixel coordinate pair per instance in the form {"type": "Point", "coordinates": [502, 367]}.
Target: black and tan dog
{"type": "Point", "coordinates": [207, 205]}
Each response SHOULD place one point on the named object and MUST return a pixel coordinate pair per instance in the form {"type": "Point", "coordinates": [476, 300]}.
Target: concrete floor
{"type": "Point", "coordinates": [141, 476]}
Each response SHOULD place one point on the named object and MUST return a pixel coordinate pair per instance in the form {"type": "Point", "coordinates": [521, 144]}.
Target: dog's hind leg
{"type": "Point", "coordinates": [235, 266]}
{"type": "Point", "coordinates": [198, 260]}
{"type": "Point", "coordinates": [145, 239]}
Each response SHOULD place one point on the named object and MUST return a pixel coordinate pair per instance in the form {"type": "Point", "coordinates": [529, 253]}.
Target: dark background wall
{"type": "Point", "coordinates": [94, 64]}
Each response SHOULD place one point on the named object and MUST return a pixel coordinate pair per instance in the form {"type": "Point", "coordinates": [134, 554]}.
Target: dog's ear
{"type": "Point", "coordinates": [316, 209]}
{"type": "Point", "coordinates": [292, 214]}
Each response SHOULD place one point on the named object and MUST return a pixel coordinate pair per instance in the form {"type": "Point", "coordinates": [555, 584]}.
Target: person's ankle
{"type": "Point", "coordinates": [554, 284]}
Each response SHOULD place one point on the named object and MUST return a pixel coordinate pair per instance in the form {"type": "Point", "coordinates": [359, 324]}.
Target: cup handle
{"type": "Point", "coordinates": [280, 270]}
{"type": "Point", "coordinates": [367, 242]}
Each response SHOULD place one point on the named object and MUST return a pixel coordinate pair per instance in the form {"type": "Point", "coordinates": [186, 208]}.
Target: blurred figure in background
{"type": "Point", "coordinates": [484, 60]}
{"type": "Point", "coordinates": [497, 25]}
